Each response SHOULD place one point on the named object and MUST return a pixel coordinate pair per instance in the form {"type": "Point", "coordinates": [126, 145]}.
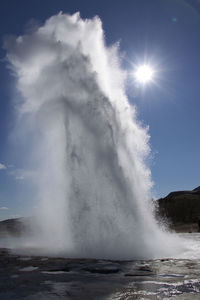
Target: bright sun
{"type": "Point", "coordinates": [144, 74]}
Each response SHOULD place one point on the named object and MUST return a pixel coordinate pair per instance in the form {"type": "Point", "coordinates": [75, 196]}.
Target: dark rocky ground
{"type": "Point", "coordinates": [24, 277]}
{"type": "Point", "coordinates": [37, 277]}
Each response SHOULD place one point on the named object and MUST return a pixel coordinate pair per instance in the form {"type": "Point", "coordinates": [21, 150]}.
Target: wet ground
{"type": "Point", "coordinates": [24, 277]}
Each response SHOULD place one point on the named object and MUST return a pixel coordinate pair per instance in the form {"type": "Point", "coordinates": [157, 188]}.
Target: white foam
{"type": "Point", "coordinates": [28, 269]}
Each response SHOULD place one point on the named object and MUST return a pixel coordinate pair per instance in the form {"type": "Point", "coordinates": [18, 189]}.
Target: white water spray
{"type": "Point", "coordinates": [88, 149]}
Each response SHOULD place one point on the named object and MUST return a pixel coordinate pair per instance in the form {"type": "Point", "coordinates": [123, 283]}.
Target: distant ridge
{"type": "Point", "coordinates": [180, 207]}
{"type": "Point", "coordinates": [187, 192]}
{"type": "Point", "coordinates": [197, 189]}
{"type": "Point", "coordinates": [15, 227]}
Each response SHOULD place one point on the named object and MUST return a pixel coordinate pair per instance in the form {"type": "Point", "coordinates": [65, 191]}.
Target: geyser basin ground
{"type": "Point", "coordinates": [39, 277]}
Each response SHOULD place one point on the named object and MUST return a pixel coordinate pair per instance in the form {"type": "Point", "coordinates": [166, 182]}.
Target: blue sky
{"type": "Point", "coordinates": [163, 32]}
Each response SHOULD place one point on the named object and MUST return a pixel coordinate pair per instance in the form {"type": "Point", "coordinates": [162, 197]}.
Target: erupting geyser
{"type": "Point", "coordinates": [88, 150]}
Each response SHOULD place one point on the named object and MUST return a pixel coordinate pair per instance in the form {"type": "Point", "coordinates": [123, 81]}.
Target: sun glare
{"type": "Point", "coordinates": [144, 74]}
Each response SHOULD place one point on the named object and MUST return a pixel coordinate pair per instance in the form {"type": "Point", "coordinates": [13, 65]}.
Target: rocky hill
{"type": "Point", "coordinates": [181, 209]}
{"type": "Point", "coordinates": [14, 227]}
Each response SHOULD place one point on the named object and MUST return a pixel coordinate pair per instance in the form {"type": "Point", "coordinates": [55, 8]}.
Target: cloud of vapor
{"type": "Point", "coordinates": [88, 149]}
{"type": "Point", "coordinates": [3, 208]}
{"type": "Point", "coordinates": [21, 174]}
{"type": "Point", "coordinates": [2, 167]}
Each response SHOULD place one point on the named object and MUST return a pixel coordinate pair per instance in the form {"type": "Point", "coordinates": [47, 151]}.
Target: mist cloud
{"type": "Point", "coordinates": [2, 167]}
{"type": "Point", "coordinates": [22, 174]}
{"type": "Point", "coordinates": [88, 149]}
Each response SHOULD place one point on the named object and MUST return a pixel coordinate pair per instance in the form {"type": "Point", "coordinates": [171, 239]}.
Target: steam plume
{"type": "Point", "coordinates": [88, 148]}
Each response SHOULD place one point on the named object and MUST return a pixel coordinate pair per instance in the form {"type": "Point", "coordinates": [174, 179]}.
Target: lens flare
{"type": "Point", "coordinates": [144, 74]}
